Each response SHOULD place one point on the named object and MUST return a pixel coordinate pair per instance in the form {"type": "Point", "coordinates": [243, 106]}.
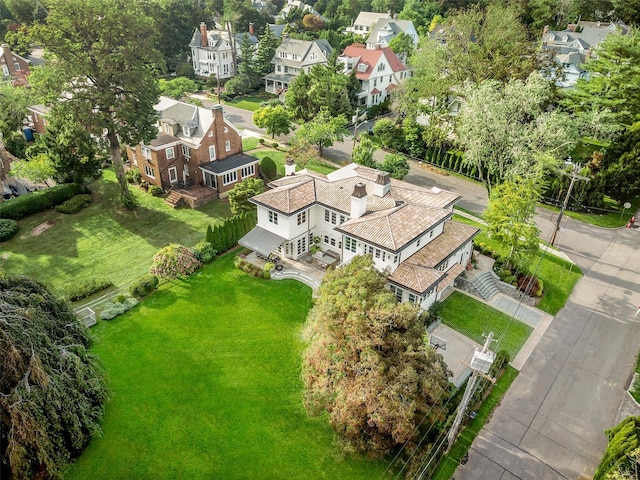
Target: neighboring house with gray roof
{"type": "Point", "coordinates": [291, 58]}
{"type": "Point", "coordinates": [291, 4]}
{"type": "Point", "coordinates": [356, 210]}
{"type": "Point", "coordinates": [386, 30]}
{"type": "Point", "coordinates": [365, 22]}
{"type": "Point", "coordinates": [572, 47]}
{"type": "Point", "coordinates": [212, 51]}
{"type": "Point", "coordinates": [195, 146]}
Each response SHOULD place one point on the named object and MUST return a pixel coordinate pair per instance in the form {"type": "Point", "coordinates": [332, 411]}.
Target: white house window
{"type": "Point", "coordinates": [227, 145]}
{"type": "Point", "coordinates": [186, 170]}
{"type": "Point", "coordinates": [248, 171]}
{"type": "Point", "coordinates": [397, 291]}
{"type": "Point", "coordinates": [326, 239]}
{"type": "Point", "coordinates": [332, 242]}
{"type": "Point", "coordinates": [431, 234]}
{"type": "Point", "coordinates": [210, 134]}
{"type": "Point", "coordinates": [273, 217]}
{"type": "Point", "coordinates": [350, 244]}
{"type": "Point", "coordinates": [226, 130]}
{"type": "Point", "coordinates": [149, 171]}
{"type": "Point", "coordinates": [330, 217]}
{"type": "Point", "coordinates": [173, 174]}
{"type": "Point", "coordinates": [378, 253]}
{"type": "Point", "coordinates": [16, 66]}
{"type": "Point", "coordinates": [171, 153]}
{"type": "Point", "coordinates": [228, 178]}
{"type": "Point", "coordinates": [209, 56]}
{"type": "Point", "coordinates": [146, 152]}
{"type": "Point", "coordinates": [167, 128]}
{"type": "Point", "coordinates": [186, 151]}
{"type": "Point", "coordinates": [342, 219]}
{"type": "Point", "coordinates": [418, 242]}
{"type": "Point", "coordinates": [294, 56]}
{"type": "Point", "coordinates": [134, 157]}
{"type": "Point", "coordinates": [302, 245]}
{"type": "Point", "coordinates": [5, 70]}
{"type": "Point", "coordinates": [302, 218]}
{"type": "Point", "coordinates": [313, 56]}
{"type": "Point", "coordinates": [283, 54]}
{"type": "Point", "coordinates": [444, 265]}
{"type": "Point", "coordinates": [412, 298]}
{"type": "Point", "coordinates": [381, 67]}
{"type": "Point", "coordinates": [212, 152]}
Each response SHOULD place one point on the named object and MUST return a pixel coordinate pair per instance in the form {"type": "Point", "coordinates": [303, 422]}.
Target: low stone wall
{"type": "Point", "coordinates": [513, 292]}
{"type": "Point", "coordinates": [466, 286]}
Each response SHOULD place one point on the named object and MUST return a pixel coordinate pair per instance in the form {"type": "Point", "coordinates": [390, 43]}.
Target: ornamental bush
{"type": "Point", "coordinates": [74, 204]}
{"type": "Point", "coordinates": [268, 168]}
{"type": "Point", "coordinates": [112, 310]}
{"type": "Point", "coordinates": [174, 261]}
{"type": "Point", "coordinates": [155, 190]}
{"type": "Point", "coordinates": [84, 288]}
{"type": "Point", "coordinates": [8, 228]}
{"type": "Point", "coordinates": [204, 252]}
{"type": "Point", "coordinates": [133, 175]}
{"type": "Point", "coordinates": [34, 202]}
{"type": "Point", "coordinates": [143, 286]}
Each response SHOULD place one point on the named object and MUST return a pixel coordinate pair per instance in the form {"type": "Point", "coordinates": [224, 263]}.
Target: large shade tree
{"type": "Point", "coordinates": [52, 389]}
{"type": "Point", "coordinates": [367, 364]}
{"type": "Point", "coordinates": [102, 71]}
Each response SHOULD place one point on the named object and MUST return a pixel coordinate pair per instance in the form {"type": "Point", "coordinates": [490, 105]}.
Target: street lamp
{"type": "Point", "coordinates": [574, 176]}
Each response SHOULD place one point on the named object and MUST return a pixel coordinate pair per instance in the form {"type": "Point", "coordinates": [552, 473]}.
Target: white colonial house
{"type": "Point", "coordinates": [212, 51]}
{"type": "Point", "coordinates": [365, 22]}
{"type": "Point", "coordinates": [358, 210]}
{"type": "Point", "coordinates": [291, 58]}
{"type": "Point", "coordinates": [386, 30]}
{"type": "Point", "coordinates": [378, 69]}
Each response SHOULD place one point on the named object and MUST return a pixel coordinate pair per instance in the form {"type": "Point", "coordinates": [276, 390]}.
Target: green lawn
{"type": "Point", "coordinates": [250, 143]}
{"type": "Point", "coordinates": [280, 156]}
{"type": "Point", "coordinates": [205, 379]}
{"type": "Point", "coordinates": [249, 102]}
{"type": "Point", "coordinates": [104, 240]}
{"type": "Point", "coordinates": [614, 218]}
{"type": "Point", "coordinates": [448, 465]}
{"type": "Point", "coordinates": [559, 276]}
{"type": "Point", "coordinates": [473, 319]}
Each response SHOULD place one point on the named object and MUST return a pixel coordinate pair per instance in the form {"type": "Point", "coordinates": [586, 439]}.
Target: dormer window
{"type": "Point", "coordinates": [552, 37]}
{"type": "Point", "coordinates": [362, 67]}
{"type": "Point", "coordinates": [381, 67]}
{"type": "Point", "coordinates": [565, 38]}
{"type": "Point", "coordinates": [186, 131]}
{"type": "Point", "coordinates": [283, 54]}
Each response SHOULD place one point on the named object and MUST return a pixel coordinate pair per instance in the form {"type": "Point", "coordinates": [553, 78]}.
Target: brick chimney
{"type": "Point", "coordinates": [251, 30]}
{"type": "Point", "coordinates": [358, 200]}
{"type": "Point", "coordinates": [203, 34]}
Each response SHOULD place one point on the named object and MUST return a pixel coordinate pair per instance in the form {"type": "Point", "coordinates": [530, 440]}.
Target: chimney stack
{"type": "Point", "coordinates": [382, 185]}
{"type": "Point", "coordinates": [358, 200]}
{"type": "Point", "coordinates": [251, 30]}
{"type": "Point", "coordinates": [203, 34]}
{"type": "Point", "coordinates": [289, 167]}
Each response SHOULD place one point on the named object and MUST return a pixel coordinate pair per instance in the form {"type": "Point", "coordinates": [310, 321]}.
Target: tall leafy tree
{"type": "Point", "coordinates": [614, 73]}
{"type": "Point", "coordinates": [52, 389]}
{"type": "Point", "coordinates": [265, 52]}
{"type": "Point", "coordinates": [510, 215]}
{"type": "Point", "coordinates": [503, 128]}
{"type": "Point", "coordinates": [420, 12]}
{"type": "Point", "coordinates": [103, 72]}
{"type": "Point", "coordinates": [396, 165]}
{"type": "Point", "coordinates": [240, 194]}
{"type": "Point", "coordinates": [13, 108]}
{"type": "Point", "coordinates": [323, 131]}
{"type": "Point", "coordinates": [402, 45]}
{"type": "Point", "coordinates": [367, 364]}
{"type": "Point", "coordinates": [297, 99]}
{"type": "Point", "coordinates": [621, 166]}
{"type": "Point", "coordinates": [39, 169]}
{"type": "Point", "coordinates": [363, 153]}
{"type": "Point", "coordinates": [274, 118]}
{"type": "Point", "coordinates": [178, 87]}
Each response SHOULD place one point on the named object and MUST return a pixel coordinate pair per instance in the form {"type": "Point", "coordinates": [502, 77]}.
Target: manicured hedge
{"type": "Point", "coordinates": [34, 202]}
{"type": "Point", "coordinates": [224, 237]}
{"type": "Point", "coordinates": [80, 289]}
{"type": "Point", "coordinates": [143, 286]}
{"type": "Point", "coordinates": [74, 204]}
{"type": "Point", "coordinates": [8, 228]}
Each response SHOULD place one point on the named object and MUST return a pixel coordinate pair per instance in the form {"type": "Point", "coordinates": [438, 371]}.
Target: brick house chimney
{"type": "Point", "coordinates": [203, 34]}
{"type": "Point", "coordinates": [251, 30]}
{"type": "Point", "coordinates": [358, 200]}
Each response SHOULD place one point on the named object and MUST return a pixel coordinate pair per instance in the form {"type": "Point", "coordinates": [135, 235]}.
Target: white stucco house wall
{"type": "Point", "coordinates": [357, 210]}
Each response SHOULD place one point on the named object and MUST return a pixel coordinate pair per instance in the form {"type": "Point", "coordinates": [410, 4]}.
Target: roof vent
{"type": "Point", "coordinates": [399, 202]}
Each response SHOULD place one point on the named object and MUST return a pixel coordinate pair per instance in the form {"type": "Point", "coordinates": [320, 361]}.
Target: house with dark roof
{"type": "Point", "coordinates": [291, 58]}
{"type": "Point", "coordinates": [407, 229]}
{"type": "Point", "coordinates": [378, 68]}
{"type": "Point", "coordinates": [212, 51]}
{"type": "Point", "coordinates": [365, 22]}
{"type": "Point", "coordinates": [195, 146]}
{"type": "Point", "coordinates": [571, 48]}
{"type": "Point", "coordinates": [386, 30]}
{"type": "Point", "coordinates": [15, 69]}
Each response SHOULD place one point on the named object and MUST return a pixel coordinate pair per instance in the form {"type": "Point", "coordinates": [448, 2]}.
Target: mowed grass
{"type": "Point", "coordinates": [558, 276]}
{"type": "Point", "coordinates": [104, 240]}
{"type": "Point", "coordinates": [474, 319]}
{"type": "Point", "coordinates": [205, 380]}
{"type": "Point", "coordinates": [279, 157]}
{"type": "Point", "coordinates": [249, 102]}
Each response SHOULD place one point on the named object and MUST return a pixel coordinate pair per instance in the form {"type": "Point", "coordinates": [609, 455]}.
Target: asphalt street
{"type": "Point", "coordinates": [551, 422]}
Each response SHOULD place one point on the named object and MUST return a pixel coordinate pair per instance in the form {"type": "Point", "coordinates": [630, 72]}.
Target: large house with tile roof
{"type": "Point", "coordinates": [356, 210]}
{"type": "Point", "coordinates": [194, 146]}
{"type": "Point", "coordinates": [379, 70]}
{"type": "Point", "coordinates": [292, 57]}
{"type": "Point", "coordinates": [572, 47]}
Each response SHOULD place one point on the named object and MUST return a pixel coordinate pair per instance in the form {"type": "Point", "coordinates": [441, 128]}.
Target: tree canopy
{"type": "Point", "coordinates": [52, 389]}
{"type": "Point", "coordinates": [103, 72]}
{"type": "Point", "coordinates": [240, 194]}
{"type": "Point", "coordinates": [177, 87]}
{"type": "Point", "coordinates": [323, 131]}
{"type": "Point", "coordinates": [274, 118]}
{"type": "Point", "coordinates": [367, 364]}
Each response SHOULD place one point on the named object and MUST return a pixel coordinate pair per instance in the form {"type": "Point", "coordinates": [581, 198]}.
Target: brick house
{"type": "Point", "coordinates": [195, 146]}
{"type": "Point", "coordinates": [14, 67]}
{"type": "Point", "coordinates": [37, 118]}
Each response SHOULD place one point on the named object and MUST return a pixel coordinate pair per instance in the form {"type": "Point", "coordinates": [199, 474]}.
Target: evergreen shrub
{"type": "Point", "coordinates": [74, 204]}
{"type": "Point", "coordinates": [35, 202]}
{"type": "Point", "coordinates": [8, 228]}
{"type": "Point", "coordinates": [143, 286]}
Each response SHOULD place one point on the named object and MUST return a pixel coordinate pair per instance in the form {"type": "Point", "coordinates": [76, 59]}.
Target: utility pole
{"type": "Point", "coordinates": [480, 365]}
{"type": "Point", "coordinates": [574, 177]}
{"type": "Point", "coordinates": [355, 130]}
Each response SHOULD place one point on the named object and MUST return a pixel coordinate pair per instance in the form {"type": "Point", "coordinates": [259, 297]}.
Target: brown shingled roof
{"type": "Point", "coordinates": [416, 278]}
{"type": "Point", "coordinates": [289, 198]}
{"type": "Point", "coordinates": [440, 248]}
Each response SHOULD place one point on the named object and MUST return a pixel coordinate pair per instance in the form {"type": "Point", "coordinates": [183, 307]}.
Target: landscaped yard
{"type": "Point", "coordinates": [249, 102]}
{"type": "Point", "coordinates": [558, 275]}
{"type": "Point", "coordinates": [473, 319]}
{"type": "Point", "coordinates": [205, 376]}
{"type": "Point", "coordinates": [280, 156]}
{"type": "Point", "coordinates": [104, 240]}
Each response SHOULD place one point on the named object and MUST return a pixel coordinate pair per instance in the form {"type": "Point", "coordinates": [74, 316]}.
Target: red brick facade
{"type": "Point", "coordinates": [14, 67]}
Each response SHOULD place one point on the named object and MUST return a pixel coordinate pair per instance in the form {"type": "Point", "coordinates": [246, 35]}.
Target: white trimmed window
{"type": "Point", "coordinates": [210, 134]}
{"type": "Point", "coordinates": [186, 151]}
{"type": "Point", "coordinates": [134, 158]}
{"type": "Point", "coordinates": [146, 152]}
{"type": "Point", "coordinates": [230, 177]}
{"type": "Point", "coordinates": [227, 145]}
{"type": "Point", "coordinates": [273, 217]}
{"type": "Point", "coordinates": [171, 153]}
{"type": "Point", "coordinates": [226, 130]}
{"type": "Point", "coordinates": [302, 218]}
{"type": "Point", "coordinates": [212, 152]}
{"type": "Point", "coordinates": [248, 171]}
{"type": "Point", "coordinates": [444, 265]}
{"type": "Point", "coordinates": [350, 244]}
{"type": "Point", "coordinates": [330, 217]}
{"type": "Point", "coordinates": [412, 298]}
{"type": "Point", "coordinates": [397, 291]}
{"type": "Point", "coordinates": [149, 171]}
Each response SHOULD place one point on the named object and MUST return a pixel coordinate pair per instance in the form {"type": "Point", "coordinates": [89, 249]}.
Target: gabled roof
{"type": "Point", "coordinates": [370, 18]}
{"type": "Point", "coordinates": [370, 58]}
{"type": "Point", "coordinates": [301, 48]}
{"type": "Point", "coordinates": [394, 228]}
{"type": "Point", "coordinates": [389, 28]}
{"type": "Point", "coordinates": [290, 197]}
